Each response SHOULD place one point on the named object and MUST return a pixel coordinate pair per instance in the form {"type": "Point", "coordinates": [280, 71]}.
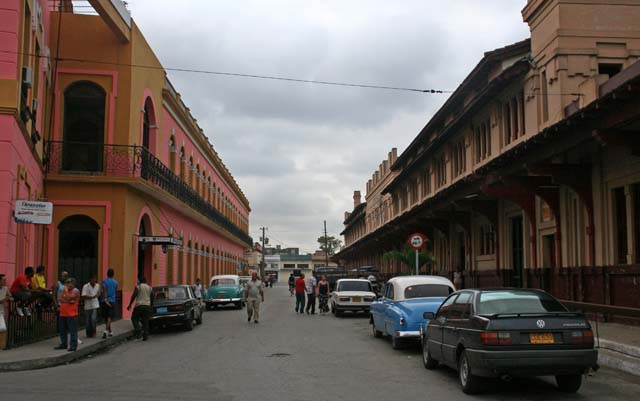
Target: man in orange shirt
{"type": "Point", "coordinates": [69, 316]}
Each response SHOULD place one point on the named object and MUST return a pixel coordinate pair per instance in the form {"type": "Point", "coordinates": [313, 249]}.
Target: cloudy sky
{"type": "Point", "coordinates": [299, 150]}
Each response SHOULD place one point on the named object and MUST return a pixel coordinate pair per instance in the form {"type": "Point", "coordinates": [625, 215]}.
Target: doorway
{"type": "Point", "coordinates": [517, 251]}
{"type": "Point", "coordinates": [78, 247]}
{"type": "Point", "coordinates": [144, 255]}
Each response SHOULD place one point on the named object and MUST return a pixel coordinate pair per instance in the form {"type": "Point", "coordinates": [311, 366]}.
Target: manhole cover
{"type": "Point", "coordinates": [279, 355]}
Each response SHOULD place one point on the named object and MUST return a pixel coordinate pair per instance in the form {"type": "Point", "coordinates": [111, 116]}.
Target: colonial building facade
{"type": "Point", "coordinates": [529, 174]}
{"type": "Point", "coordinates": [135, 183]}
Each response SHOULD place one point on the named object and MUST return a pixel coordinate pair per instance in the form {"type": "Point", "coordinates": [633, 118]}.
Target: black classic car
{"type": "Point", "coordinates": [175, 305]}
{"type": "Point", "coordinates": [506, 333]}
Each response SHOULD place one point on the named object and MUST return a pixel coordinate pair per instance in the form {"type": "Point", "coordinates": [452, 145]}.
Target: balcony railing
{"type": "Point", "coordinates": [132, 161]}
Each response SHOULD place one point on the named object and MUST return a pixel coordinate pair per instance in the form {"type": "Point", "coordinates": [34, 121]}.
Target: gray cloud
{"type": "Point", "coordinates": [299, 150]}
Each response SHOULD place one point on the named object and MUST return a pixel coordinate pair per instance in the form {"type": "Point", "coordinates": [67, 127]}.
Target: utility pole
{"type": "Point", "coordinates": [326, 245]}
{"type": "Point", "coordinates": [262, 267]}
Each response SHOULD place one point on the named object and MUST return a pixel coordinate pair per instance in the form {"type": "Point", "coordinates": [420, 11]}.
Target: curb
{"type": "Point", "coordinates": [49, 362]}
{"type": "Point", "coordinates": [619, 356]}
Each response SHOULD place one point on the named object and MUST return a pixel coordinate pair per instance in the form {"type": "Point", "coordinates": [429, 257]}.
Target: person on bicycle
{"type": "Point", "coordinates": [323, 294]}
{"type": "Point", "coordinates": [292, 284]}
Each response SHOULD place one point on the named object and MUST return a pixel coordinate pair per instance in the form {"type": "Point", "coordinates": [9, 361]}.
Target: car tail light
{"type": "Point", "coordinates": [343, 299]}
{"type": "Point", "coordinates": [495, 338]}
{"type": "Point", "coordinates": [368, 299]}
{"type": "Point", "coordinates": [581, 337]}
{"type": "Point", "coordinates": [177, 307]}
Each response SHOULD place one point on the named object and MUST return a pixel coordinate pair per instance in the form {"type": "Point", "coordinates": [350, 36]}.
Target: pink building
{"type": "Point", "coordinates": [24, 79]}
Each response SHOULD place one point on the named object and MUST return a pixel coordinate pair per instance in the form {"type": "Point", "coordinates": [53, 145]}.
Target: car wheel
{"type": "Point", "coordinates": [569, 383]}
{"type": "Point", "coordinates": [427, 359]}
{"type": "Point", "coordinates": [396, 342]}
{"type": "Point", "coordinates": [188, 324]}
{"type": "Point", "coordinates": [470, 383]}
{"type": "Point", "coordinates": [376, 333]}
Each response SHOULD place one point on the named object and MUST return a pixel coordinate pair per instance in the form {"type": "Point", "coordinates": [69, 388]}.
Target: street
{"type": "Point", "coordinates": [284, 357]}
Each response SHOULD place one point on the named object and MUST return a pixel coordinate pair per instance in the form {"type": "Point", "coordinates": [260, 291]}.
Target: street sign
{"type": "Point", "coordinates": [417, 241]}
{"type": "Point", "coordinates": [160, 240]}
{"type": "Point", "coordinates": [33, 212]}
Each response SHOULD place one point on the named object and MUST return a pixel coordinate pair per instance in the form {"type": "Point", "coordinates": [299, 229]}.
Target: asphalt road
{"type": "Point", "coordinates": [285, 357]}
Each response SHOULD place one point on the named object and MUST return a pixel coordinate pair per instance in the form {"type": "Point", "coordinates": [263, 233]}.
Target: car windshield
{"type": "Point", "coordinates": [354, 286]}
{"type": "Point", "coordinates": [222, 281]}
{"type": "Point", "coordinates": [427, 291]}
{"type": "Point", "coordinates": [517, 302]}
{"type": "Point", "coordinates": [163, 293]}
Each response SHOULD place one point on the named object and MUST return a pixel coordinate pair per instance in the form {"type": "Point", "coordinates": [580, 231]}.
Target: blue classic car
{"type": "Point", "coordinates": [400, 312]}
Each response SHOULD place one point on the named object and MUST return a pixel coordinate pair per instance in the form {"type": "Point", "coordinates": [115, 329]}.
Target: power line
{"type": "Point", "coordinates": [265, 77]}
{"type": "Point", "coordinates": [241, 75]}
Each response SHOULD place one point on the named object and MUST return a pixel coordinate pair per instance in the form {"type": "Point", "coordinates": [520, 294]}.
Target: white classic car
{"type": "Point", "coordinates": [352, 295]}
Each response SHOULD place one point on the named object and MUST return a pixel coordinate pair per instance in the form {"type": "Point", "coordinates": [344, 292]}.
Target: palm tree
{"type": "Point", "coordinates": [407, 257]}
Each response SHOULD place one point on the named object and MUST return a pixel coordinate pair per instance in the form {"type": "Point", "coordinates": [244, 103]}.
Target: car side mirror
{"type": "Point", "coordinates": [429, 315]}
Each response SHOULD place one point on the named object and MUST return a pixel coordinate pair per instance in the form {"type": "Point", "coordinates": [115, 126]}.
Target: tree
{"type": "Point", "coordinates": [330, 245]}
{"type": "Point", "coordinates": [407, 257]}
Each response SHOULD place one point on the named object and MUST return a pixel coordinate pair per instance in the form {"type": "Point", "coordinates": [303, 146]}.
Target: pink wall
{"type": "Point", "coordinates": [9, 38]}
{"type": "Point", "coordinates": [15, 153]}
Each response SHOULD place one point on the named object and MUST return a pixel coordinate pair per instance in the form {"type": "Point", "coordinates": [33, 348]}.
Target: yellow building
{"type": "Point", "coordinates": [135, 183]}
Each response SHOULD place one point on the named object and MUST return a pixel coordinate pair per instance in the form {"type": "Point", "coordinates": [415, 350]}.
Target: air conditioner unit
{"type": "Point", "coordinates": [27, 76]}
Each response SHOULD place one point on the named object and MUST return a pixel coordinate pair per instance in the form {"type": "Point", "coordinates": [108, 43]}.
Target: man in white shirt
{"type": "Point", "coordinates": [197, 289]}
{"type": "Point", "coordinates": [90, 294]}
{"type": "Point", "coordinates": [310, 289]}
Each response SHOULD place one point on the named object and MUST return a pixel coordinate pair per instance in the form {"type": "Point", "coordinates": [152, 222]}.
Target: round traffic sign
{"type": "Point", "coordinates": [417, 240]}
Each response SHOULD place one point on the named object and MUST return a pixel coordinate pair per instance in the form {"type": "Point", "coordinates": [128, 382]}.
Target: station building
{"type": "Point", "coordinates": [529, 174]}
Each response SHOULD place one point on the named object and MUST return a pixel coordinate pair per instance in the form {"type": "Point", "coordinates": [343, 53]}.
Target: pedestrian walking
{"type": "Point", "coordinates": [90, 293]}
{"type": "Point", "coordinates": [142, 311]}
{"type": "Point", "coordinates": [300, 295]}
{"type": "Point", "coordinates": [292, 284]}
{"type": "Point", "coordinates": [109, 286]}
{"type": "Point", "coordinates": [69, 316]}
{"type": "Point", "coordinates": [253, 295]}
{"type": "Point", "coordinates": [323, 294]}
{"type": "Point", "coordinates": [310, 288]}
{"type": "Point", "coordinates": [197, 289]}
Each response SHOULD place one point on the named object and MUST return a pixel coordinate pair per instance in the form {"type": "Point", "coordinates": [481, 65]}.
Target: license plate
{"type": "Point", "coordinates": [356, 299]}
{"type": "Point", "coordinates": [161, 310]}
{"type": "Point", "coordinates": [541, 338]}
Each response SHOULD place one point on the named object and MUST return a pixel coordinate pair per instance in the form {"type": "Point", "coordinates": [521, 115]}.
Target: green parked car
{"type": "Point", "coordinates": [224, 290]}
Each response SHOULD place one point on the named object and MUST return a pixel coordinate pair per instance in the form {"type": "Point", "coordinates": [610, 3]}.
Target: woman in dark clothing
{"type": "Point", "coordinates": [323, 294]}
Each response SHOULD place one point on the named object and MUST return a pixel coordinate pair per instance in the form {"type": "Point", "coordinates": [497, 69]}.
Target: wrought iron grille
{"type": "Point", "coordinates": [132, 161]}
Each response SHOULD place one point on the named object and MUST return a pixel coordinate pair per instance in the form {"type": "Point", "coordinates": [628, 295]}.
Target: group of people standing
{"type": "Point", "coordinates": [307, 291]}
{"type": "Point", "coordinates": [30, 292]}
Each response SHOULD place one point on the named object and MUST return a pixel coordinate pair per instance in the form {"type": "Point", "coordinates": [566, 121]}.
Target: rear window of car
{"type": "Point", "coordinates": [223, 281]}
{"type": "Point", "coordinates": [354, 286]}
{"type": "Point", "coordinates": [169, 293]}
{"type": "Point", "coordinates": [427, 291]}
{"type": "Point", "coordinates": [517, 302]}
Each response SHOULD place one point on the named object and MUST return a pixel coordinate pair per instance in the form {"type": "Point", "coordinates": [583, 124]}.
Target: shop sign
{"type": "Point", "coordinates": [33, 212]}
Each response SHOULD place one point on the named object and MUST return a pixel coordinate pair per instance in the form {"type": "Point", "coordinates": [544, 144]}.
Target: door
{"type": "Point", "coordinates": [435, 328]}
{"type": "Point", "coordinates": [457, 314]}
{"type": "Point", "coordinates": [388, 321]}
{"type": "Point", "coordinates": [78, 247]}
{"type": "Point", "coordinates": [517, 251]}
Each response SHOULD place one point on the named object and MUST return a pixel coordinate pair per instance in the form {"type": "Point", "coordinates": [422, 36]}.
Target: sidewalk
{"type": "Point", "coordinates": [619, 346]}
{"type": "Point", "coordinates": [42, 355]}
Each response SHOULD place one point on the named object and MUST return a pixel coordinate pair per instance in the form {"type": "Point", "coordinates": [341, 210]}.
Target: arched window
{"type": "Point", "coordinates": [78, 247]}
{"type": "Point", "coordinates": [148, 125]}
{"type": "Point", "coordinates": [83, 129]}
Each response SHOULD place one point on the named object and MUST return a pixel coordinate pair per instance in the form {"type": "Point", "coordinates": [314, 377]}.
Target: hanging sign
{"type": "Point", "coordinates": [417, 240]}
{"type": "Point", "coordinates": [33, 212]}
{"type": "Point", "coordinates": [160, 240]}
